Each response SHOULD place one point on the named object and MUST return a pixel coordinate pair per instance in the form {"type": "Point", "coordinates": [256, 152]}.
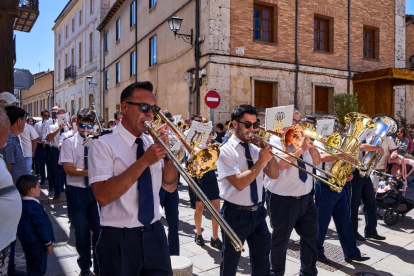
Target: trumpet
{"type": "Point", "coordinates": [198, 165]}
{"type": "Point", "coordinates": [262, 142]}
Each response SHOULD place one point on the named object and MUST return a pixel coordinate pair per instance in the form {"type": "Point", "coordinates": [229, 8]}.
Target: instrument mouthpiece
{"type": "Point", "coordinates": [148, 124]}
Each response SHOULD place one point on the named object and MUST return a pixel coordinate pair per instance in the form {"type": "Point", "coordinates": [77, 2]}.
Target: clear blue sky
{"type": "Point", "coordinates": [38, 45]}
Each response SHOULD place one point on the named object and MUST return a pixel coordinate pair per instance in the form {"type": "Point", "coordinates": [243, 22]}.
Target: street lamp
{"type": "Point", "coordinates": [89, 80]}
{"type": "Point", "coordinates": [175, 25]}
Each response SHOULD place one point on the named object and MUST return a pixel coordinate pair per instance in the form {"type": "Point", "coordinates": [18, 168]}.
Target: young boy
{"type": "Point", "coordinates": [35, 230]}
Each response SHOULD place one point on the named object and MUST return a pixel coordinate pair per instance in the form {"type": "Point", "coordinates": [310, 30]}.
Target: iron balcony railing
{"type": "Point", "coordinates": [29, 4]}
{"type": "Point", "coordinates": [70, 72]}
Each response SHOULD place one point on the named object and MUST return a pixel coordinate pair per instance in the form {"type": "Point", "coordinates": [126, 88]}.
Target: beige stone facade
{"type": "Point", "coordinates": [40, 95]}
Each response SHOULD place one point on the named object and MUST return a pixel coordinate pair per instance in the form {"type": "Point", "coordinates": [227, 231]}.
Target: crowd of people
{"type": "Point", "coordinates": [117, 186]}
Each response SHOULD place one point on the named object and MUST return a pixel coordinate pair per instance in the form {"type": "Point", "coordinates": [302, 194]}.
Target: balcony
{"type": "Point", "coordinates": [70, 74]}
{"type": "Point", "coordinates": [27, 15]}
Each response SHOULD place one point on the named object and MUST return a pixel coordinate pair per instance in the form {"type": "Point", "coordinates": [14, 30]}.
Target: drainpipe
{"type": "Point", "coordinates": [197, 55]}
{"type": "Point", "coordinates": [53, 90]}
{"type": "Point", "coordinates": [136, 41]}
{"type": "Point", "coordinates": [349, 48]}
{"type": "Point", "coordinates": [296, 54]}
{"type": "Point", "coordinates": [103, 74]}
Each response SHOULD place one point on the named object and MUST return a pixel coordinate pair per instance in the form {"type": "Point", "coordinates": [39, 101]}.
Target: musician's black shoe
{"type": "Point", "coordinates": [85, 272]}
{"type": "Point", "coordinates": [323, 259]}
{"type": "Point", "coordinates": [359, 237]}
{"type": "Point", "coordinates": [357, 259]}
{"type": "Point", "coordinates": [199, 240]}
{"type": "Point", "coordinates": [375, 237]}
{"type": "Point", "coordinates": [216, 243]}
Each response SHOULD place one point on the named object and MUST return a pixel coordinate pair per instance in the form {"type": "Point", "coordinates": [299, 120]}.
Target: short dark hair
{"type": "Point", "coordinates": [242, 109]}
{"type": "Point", "coordinates": [44, 112]}
{"type": "Point", "coordinates": [86, 115]}
{"type": "Point", "coordinates": [118, 112]}
{"type": "Point", "coordinates": [328, 117]}
{"type": "Point", "coordinates": [220, 126]}
{"type": "Point", "coordinates": [14, 113]}
{"type": "Point", "coordinates": [111, 122]}
{"type": "Point", "coordinates": [127, 92]}
{"type": "Point", "coordinates": [25, 183]}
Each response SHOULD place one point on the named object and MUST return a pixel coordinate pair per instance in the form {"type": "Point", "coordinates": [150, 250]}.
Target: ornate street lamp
{"type": "Point", "coordinates": [175, 25]}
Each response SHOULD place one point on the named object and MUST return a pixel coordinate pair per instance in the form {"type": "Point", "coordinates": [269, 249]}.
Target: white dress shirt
{"type": "Point", "coordinates": [388, 145]}
{"type": "Point", "coordinates": [55, 140]}
{"type": "Point", "coordinates": [288, 183]}
{"type": "Point", "coordinates": [65, 135]}
{"type": "Point", "coordinates": [328, 165]}
{"type": "Point", "coordinates": [232, 161]}
{"type": "Point", "coordinates": [26, 137]}
{"type": "Point", "coordinates": [41, 128]}
{"type": "Point", "coordinates": [72, 151]}
{"type": "Point", "coordinates": [110, 156]}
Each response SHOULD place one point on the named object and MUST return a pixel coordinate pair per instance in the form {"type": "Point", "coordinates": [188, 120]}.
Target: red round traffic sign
{"type": "Point", "coordinates": [212, 99]}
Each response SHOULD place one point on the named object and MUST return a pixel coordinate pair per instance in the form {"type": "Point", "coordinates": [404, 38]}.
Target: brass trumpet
{"type": "Point", "coordinates": [198, 165]}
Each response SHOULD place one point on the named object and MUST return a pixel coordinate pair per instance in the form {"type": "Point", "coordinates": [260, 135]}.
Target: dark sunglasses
{"type": "Point", "coordinates": [144, 108]}
{"type": "Point", "coordinates": [82, 126]}
{"type": "Point", "coordinates": [47, 116]}
{"type": "Point", "coordinates": [250, 124]}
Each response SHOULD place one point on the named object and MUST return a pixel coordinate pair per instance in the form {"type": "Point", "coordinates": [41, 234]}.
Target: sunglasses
{"type": "Point", "coordinates": [250, 124]}
{"type": "Point", "coordinates": [82, 126]}
{"type": "Point", "coordinates": [144, 108]}
{"type": "Point", "coordinates": [46, 116]}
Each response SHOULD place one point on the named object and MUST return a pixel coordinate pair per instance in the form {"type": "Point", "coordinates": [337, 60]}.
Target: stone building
{"type": "Point", "coordinates": [251, 53]}
{"type": "Point", "coordinates": [39, 96]}
{"type": "Point", "coordinates": [77, 54]}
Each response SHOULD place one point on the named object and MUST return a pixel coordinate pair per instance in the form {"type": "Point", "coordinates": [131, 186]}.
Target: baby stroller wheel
{"type": "Point", "coordinates": [391, 217]}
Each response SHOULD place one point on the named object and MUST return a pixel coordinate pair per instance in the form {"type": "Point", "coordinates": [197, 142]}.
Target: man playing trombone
{"type": "Point", "coordinates": [240, 170]}
{"type": "Point", "coordinates": [292, 207]}
{"type": "Point", "coordinates": [126, 172]}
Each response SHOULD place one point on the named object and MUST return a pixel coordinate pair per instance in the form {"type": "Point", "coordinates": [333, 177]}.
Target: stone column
{"type": "Point", "coordinates": [399, 91]}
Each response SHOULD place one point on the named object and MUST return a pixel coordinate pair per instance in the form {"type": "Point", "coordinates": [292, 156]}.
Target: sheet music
{"type": "Point", "coordinates": [277, 118]}
{"type": "Point", "coordinates": [199, 132]}
{"type": "Point", "coordinates": [324, 128]}
{"type": "Point", "coordinates": [63, 118]}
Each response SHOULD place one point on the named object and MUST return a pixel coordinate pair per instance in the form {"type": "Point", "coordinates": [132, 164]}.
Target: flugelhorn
{"type": "Point", "coordinates": [199, 165]}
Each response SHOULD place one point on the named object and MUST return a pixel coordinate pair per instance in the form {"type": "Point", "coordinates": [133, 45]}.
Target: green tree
{"type": "Point", "coordinates": [343, 104]}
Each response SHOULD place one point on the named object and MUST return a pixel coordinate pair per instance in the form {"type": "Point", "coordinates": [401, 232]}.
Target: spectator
{"type": "Point", "coordinates": [118, 117]}
{"type": "Point", "coordinates": [111, 124]}
{"type": "Point", "coordinates": [220, 132]}
{"type": "Point", "coordinates": [29, 138]}
{"type": "Point", "coordinates": [30, 121]}
{"type": "Point", "coordinates": [402, 141]}
{"type": "Point", "coordinates": [7, 99]}
{"type": "Point", "coordinates": [10, 204]}
{"type": "Point", "coordinates": [35, 230]}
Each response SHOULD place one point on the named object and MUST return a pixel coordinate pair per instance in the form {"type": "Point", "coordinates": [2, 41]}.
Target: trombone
{"type": "Point", "coordinates": [198, 165]}
{"type": "Point", "coordinates": [264, 142]}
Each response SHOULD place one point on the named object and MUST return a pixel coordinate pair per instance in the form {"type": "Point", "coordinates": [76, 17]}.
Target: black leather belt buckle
{"type": "Point", "coordinates": [255, 207]}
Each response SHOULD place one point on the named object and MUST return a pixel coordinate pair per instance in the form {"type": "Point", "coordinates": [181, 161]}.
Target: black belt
{"type": "Point", "coordinates": [245, 208]}
{"type": "Point", "coordinates": [295, 197]}
{"type": "Point", "coordinates": [128, 231]}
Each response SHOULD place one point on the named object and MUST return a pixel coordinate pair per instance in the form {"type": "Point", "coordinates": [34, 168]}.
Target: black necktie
{"type": "Point", "coordinates": [302, 175]}
{"type": "Point", "coordinates": [145, 199]}
{"type": "Point", "coordinates": [253, 185]}
{"type": "Point", "coordinates": [62, 130]}
{"type": "Point", "coordinates": [85, 160]}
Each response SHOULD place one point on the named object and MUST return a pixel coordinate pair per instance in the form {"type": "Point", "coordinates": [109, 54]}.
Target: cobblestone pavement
{"type": "Point", "coordinates": [394, 256]}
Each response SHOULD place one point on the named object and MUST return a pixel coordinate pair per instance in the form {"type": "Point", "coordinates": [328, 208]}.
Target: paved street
{"type": "Point", "coordinates": [394, 257]}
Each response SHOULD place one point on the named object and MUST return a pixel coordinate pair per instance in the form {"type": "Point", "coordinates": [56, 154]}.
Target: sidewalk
{"type": "Point", "coordinates": [393, 257]}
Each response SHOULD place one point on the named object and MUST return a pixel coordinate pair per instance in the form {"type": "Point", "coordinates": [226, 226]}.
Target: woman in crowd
{"type": "Point", "coordinates": [220, 132]}
{"type": "Point", "coordinates": [30, 121]}
{"type": "Point", "coordinates": [402, 141]}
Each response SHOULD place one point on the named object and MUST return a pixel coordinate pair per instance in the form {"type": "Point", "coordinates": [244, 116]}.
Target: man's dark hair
{"type": "Point", "coordinates": [168, 115]}
{"type": "Point", "coordinates": [331, 118]}
{"type": "Point", "coordinates": [220, 126]}
{"type": "Point", "coordinates": [127, 92]}
{"type": "Point", "coordinates": [195, 116]}
{"type": "Point", "coordinates": [14, 113]}
{"type": "Point", "coordinates": [242, 109]}
{"type": "Point", "coordinates": [44, 112]}
{"type": "Point", "coordinates": [118, 112]}
{"type": "Point", "coordinates": [25, 183]}
{"type": "Point", "coordinates": [111, 123]}
{"type": "Point", "coordinates": [86, 115]}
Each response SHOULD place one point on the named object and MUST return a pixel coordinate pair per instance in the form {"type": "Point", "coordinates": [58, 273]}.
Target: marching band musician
{"type": "Point", "coordinates": [84, 213]}
{"type": "Point", "coordinates": [240, 170]}
{"type": "Point", "coordinates": [330, 203]}
{"type": "Point", "coordinates": [292, 207]}
{"type": "Point", "coordinates": [43, 148]}
{"type": "Point", "coordinates": [126, 172]}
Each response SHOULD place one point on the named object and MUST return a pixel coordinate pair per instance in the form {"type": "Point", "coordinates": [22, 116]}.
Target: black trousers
{"type": "Point", "coordinates": [54, 178]}
{"type": "Point", "coordinates": [286, 214]}
{"type": "Point", "coordinates": [36, 259]}
{"type": "Point", "coordinates": [134, 251]}
{"type": "Point", "coordinates": [41, 162]}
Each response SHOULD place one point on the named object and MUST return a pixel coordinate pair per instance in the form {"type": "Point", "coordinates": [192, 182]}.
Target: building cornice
{"type": "Point", "coordinates": [115, 7]}
{"type": "Point", "coordinates": [44, 75]}
{"type": "Point", "coordinates": [65, 11]}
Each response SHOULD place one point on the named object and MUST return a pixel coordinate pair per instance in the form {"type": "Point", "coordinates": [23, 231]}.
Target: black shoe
{"type": "Point", "coordinates": [199, 240]}
{"type": "Point", "coordinates": [375, 237]}
{"type": "Point", "coordinates": [17, 272]}
{"type": "Point", "coordinates": [85, 273]}
{"type": "Point", "coordinates": [359, 237]}
{"type": "Point", "coordinates": [56, 197]}
{"type": "Point", "coordinates": [323, 259]}
{"type": "Point", "coordinates": [357, 259]}
{"type": "Point", "coordinates": [216, 243]}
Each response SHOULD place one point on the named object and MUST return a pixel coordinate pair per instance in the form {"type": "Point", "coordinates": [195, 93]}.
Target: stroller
{"type": "Point", "coordinates": [390, 199]}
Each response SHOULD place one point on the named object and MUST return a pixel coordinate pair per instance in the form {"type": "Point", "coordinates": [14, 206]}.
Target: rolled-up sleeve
{"type": "Point", "coordinates": [227, 164]}
{"type": "Point", "coordinates": [100, 163]}
{"type": "Point", "coordinates": [66, 152]}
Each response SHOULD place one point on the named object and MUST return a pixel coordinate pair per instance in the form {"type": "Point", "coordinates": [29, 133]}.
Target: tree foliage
{"type": "Point", "coordinates": [343, 104]}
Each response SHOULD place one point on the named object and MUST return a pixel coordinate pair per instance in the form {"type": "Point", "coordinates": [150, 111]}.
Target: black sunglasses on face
{"type": "Point", "coordinates": [89, 126]}
{"type": "Point", "coordinates": [144, 108]}
{"type": "Point", "coordinates": [47, 116]}
{"type": "Point", "coordinates": [249, 124]}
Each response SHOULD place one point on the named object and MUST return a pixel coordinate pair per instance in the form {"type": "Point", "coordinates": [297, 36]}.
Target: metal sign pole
{"type": "Point", "coordinates": [212, 118]}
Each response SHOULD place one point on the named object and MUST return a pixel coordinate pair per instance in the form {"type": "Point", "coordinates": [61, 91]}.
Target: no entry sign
{"type": "Point", "coordinates": [212, 99]}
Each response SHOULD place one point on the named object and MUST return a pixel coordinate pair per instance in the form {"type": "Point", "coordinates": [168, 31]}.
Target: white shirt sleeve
{"type": "Point", "coordinates": [227, 164]}
{"type": "Point", "coordinates": [100, 163]}
{"type": "Point", "coordinates": [66, 152]}
{"type": "Point", "coordinates": [33, 133]}
{"type": "Point", "coordinates": [391, 144]}
{"type": "Point", "coordinates": [275, 141]}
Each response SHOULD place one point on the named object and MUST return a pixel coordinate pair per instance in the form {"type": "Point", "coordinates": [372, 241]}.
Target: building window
{"type": "Point", "coordinates": [321, 34]}
{"type": "Point", "coordinates": [118, 72]}
{"type": "Point", "coordinates": [73, 25]}
{"type": "Point", "coordinates": [79, 103]}
{"type": "Point", "coordinates": [265, 95]}
{"type": "Point", "coordinates": [58, 75]}
{"type": "Point", "coordinates": [72, 63]}
{"type": "Point", "coordinates": [133, 13]}
{"type": "Point", "coordinates": [91, 101]}
{"type": "Point", "coordinates": [66, 60]}
{"type": "Point", "coordinates": [80, 55]}
{"type": "Point", "coordinates": [59, 38]}
{"type": "Point", "coordinates": [66, 31]}
{"type": "Point", "coordinates": [323, 101]}
{"type": "Point", "coordinates": [80, 17]}
{"type": "Point", "coordinates": [153, 50]}
{"type": "Point", "coordinates": [91, 6]}
{"type": "Point", "coordinates": [90, 47]}
{"type": "Point", "coordinates": [106, 41]}
{"type": "Point", "coordinates": [263, 23]}
{"type": "Point", "coordinates": [152, 3]}
{"type": "Point", "coordinates": [106, 80]}
{"type": "Point", "coordinates": [118, 29]}
{"type": "Point", "coordinates": [371, 42]}
{"type": "Point", "coordinates": [72, 107]}
{"type": "Point", "coordinates": [133, 63]}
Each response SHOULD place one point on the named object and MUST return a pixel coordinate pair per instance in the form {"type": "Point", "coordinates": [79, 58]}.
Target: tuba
{"type": "Point", "coordinates": [357, 124]}
{"type": "Point", "coordinates": [385, 126]}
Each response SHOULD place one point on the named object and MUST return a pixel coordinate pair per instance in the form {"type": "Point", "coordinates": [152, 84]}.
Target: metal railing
{"type": "Point", "coordinates": [70, 72]}
{"type": "Point", "coordinates": [29, 4]}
